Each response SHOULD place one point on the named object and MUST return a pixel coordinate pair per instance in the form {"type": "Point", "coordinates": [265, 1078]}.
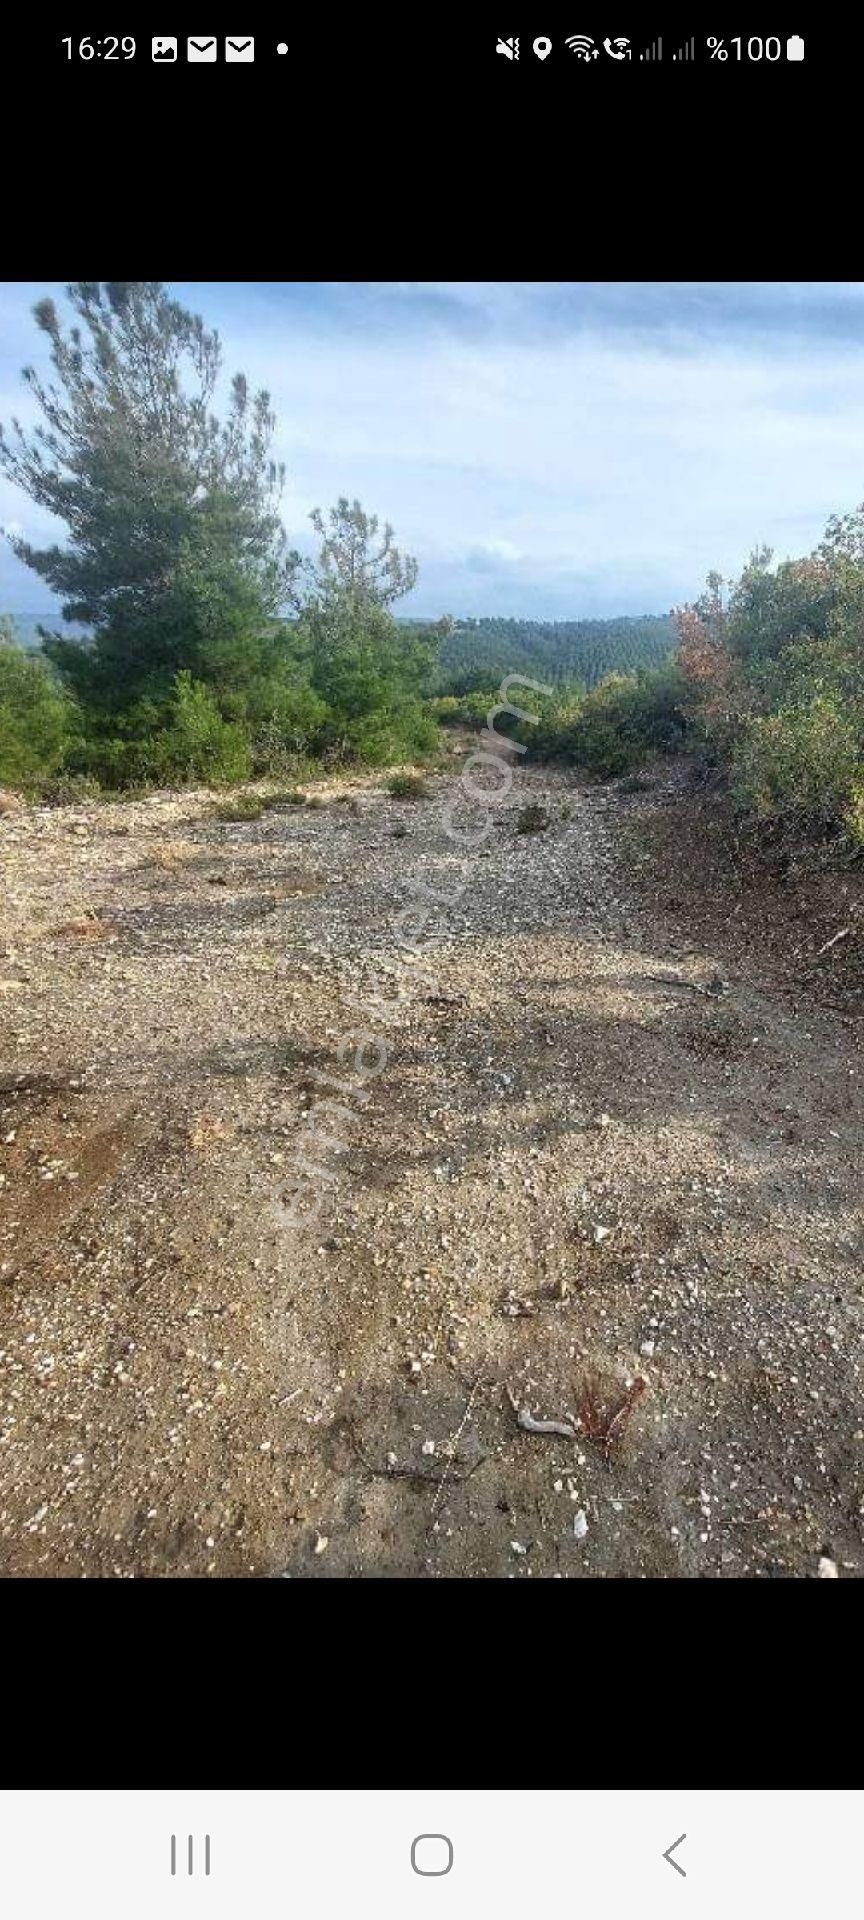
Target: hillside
{"type": "Point", "coordinates": [560, 651]}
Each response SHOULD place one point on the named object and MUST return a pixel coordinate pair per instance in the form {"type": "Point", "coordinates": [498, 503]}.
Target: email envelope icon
{"type": "Point", "coordinates": [203, 47]}
{"type": "Point", "coordinates": [240, 48]}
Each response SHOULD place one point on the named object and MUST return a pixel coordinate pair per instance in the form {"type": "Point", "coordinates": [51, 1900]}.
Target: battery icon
{"type": "Point", "coordinates": [795, 47]}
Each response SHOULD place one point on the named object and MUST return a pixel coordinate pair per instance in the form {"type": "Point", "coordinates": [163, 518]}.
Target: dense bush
{"type": "Point", "coordinates": [804, 759]}
{"type": "Point", "coordinates": [409, 786]}
{"type": "Point", "coordinates": [627, 718]}
{"type": "Point", "coordinates": [37, 719]}
{"type": "Point", "coordinates": [774, 681]}
{"type": "Point", "coordinates": [181, 741]}
{"type": "Point", "coordinates": [197, 743]}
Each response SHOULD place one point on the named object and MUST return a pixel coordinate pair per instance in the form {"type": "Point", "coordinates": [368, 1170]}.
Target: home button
{"type": "Point", "coordinates": [432, 1853]}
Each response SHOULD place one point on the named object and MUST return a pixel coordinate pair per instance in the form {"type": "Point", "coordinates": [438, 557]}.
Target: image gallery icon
{"type": "Point", "coordinates": [164, 47]}
{"type": "Point", "coordinates": [239, 49]}
{"type": "Point", "coordinates": [202, 48]}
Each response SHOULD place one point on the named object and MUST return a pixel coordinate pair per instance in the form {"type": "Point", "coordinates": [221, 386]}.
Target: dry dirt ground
{"type": "Point", "coordinates": [575, 1190]}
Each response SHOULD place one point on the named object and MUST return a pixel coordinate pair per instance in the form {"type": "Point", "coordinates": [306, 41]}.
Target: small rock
{"type": "Point", "coordinates": [517, 1547]}
{"type": "Point", "coordinates": [828, 1569]}
{"type": "Point", "coordinates": [580, 1524]}
{"type": "Point", "coordinates": [321, 1543]}
{"type": "Point", "coordinates": [428, 1446]}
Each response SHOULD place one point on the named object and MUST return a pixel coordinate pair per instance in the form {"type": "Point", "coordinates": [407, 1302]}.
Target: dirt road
{"type": "Point", "coordinates": [609, 1177]}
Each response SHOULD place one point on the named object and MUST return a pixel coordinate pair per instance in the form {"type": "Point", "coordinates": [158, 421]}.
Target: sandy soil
{"type": "Point", "coordinates": [576, 1190]}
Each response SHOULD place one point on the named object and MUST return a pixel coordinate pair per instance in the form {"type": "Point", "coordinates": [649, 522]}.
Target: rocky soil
{"type": "Point", "coordinates": [608, 1178]}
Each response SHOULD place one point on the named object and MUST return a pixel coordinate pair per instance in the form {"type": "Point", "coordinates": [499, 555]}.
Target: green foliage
{"type": "Point", "coordinates": [626, 718]}
{"type": "Point", "coordinates": [803, 760]}
{"type": "Point", "coordinates": [779, 694]}
{"type": "Point", "coordinates": [197, 744]}
{"type": "Point", "coordinates": [370, 672]}
{"type": "Point", "coordinates": [463, 710]}
{"type": "Point", "coordinates": [243, 806]}
{"type": "Point", "coordinates": [358, 559]}
{"type": "Point", "coordinates": [409, 786]}
{"type": "Point", "coordinates": [180, 741]}
{"type": "Point", "coordinates": [532, 819]}
{"type": "Point", "coordinates": [37, 719]}
{"type": "Point", "coordinates": [477, 654]}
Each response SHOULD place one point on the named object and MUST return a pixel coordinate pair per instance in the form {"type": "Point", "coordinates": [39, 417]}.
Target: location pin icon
{"type": "Point", "coordinates": [542, 47]}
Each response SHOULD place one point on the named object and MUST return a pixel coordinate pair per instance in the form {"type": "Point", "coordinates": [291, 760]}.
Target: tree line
{"type": "Point", "coordinates": [476, 653]}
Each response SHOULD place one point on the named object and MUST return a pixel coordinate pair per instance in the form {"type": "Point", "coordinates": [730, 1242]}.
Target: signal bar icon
{"type": "Point", "coordinates": [190, 1854]}
{"type": "Point", "coordinates": [654, 52]}
{"type": "Point", "coordinates": [687, 52]}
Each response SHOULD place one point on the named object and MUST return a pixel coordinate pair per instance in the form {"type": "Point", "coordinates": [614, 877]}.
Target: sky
{"type": "Point", "coordinates": [551, 450]}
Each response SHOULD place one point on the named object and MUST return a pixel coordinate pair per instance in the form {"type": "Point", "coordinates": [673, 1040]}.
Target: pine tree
{"type": "Point", "coordinates": [175, 556]}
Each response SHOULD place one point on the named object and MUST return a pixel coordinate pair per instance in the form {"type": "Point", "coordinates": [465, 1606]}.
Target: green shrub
{"type": "Point", "coordinates": [242, 806]}
{"type": "Point", "coordinates": [37, 719]}
{"type": "Point", "coordinates": [179, 741]}
{"type": "Point", "coordinates": [853, 819]}
{"type": "Point", "coordinates": [462, 710]}
{"type": "Point", "coordinates": [804, 760]}
{"type": "Point", "coordinates": [409, 786]}
{"type": "Point", "coordinates": [67, 789]}
{"type": "Point", "coordinates": [289, 732]}
{"type": "Point", "coordinates": [197, 743]}
{"type": "Point", "coordinates": [624, 719]}
{"type": "Point", "coordinates": [532, 819]}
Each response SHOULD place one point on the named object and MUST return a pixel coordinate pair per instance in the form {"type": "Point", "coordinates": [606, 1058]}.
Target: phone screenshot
{"type": "Point", "coordinates": [431, 915]}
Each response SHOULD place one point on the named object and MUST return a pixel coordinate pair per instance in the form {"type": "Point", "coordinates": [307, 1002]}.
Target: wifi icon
{"type": "Point", "coordinates": [583, 46]}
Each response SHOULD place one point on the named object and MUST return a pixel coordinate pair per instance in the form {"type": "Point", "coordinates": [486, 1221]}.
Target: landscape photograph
{"type": "Point", "coordinates": [431, 913]}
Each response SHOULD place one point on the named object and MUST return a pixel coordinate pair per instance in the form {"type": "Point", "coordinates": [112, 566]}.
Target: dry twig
{"type": "Point", "coordinates": [674, 980]}
{"type": "Point", "coordinates": [842, 935]}
{"type": "Point", "coordinates": [526, 1421]}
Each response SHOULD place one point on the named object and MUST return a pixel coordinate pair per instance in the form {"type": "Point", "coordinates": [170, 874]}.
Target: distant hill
{"type": "Point", "coordinates": [555, 650]}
